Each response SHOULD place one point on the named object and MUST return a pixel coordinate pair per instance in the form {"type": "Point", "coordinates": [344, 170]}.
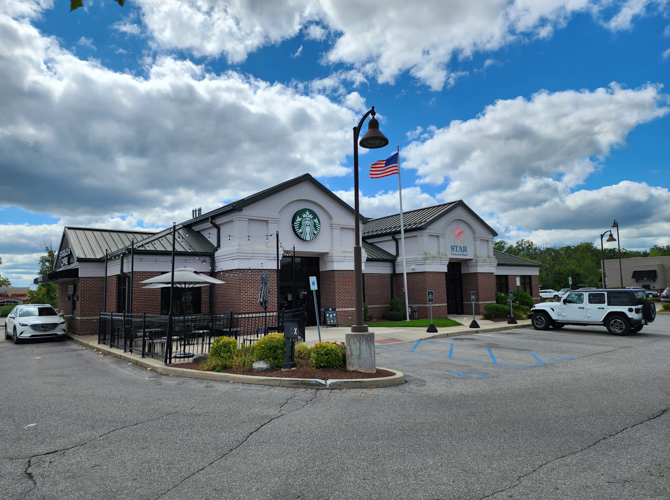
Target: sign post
{"type": "Point", "coordinates": [474, 323]}
{"type": "Point", "coordinates": [511, 320]}
{"type": "Point", "coordinates": [431, 299]}
{"type": "Point", "coordinates": [290, 333]}
{"type": "Point", "coordinates": [313, 286]}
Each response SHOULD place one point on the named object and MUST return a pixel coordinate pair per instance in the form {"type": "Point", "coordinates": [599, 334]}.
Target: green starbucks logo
{"type": "Point", "coordinates": [306, 224]}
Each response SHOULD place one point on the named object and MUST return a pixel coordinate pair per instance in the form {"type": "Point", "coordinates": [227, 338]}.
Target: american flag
{"type": "Point", "coordinates": [384, 168]}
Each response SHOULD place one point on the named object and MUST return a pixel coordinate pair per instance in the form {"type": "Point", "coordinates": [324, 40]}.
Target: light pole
{"type": "Point", "coordinates": [372, 139]}
{"type": "Point", "coordinates": [616, 224]}
{"type": "Point", "coordinates": [602, 250]}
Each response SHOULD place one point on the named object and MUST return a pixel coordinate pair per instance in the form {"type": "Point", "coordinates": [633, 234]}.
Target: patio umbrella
{"type": "Point", "coordinates": [184, 277]}
{"type": "Point", "coordinates": [264, 295]}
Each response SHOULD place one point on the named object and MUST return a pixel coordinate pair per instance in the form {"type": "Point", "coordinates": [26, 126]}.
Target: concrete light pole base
{"type": "Point", "coordinates": [361, 352]}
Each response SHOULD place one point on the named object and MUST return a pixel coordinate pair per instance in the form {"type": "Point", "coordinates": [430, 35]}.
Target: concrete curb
{"type": "Point", "coordinates": [151, 364]}
{"type": "Point", "coordinates": [479, 330]}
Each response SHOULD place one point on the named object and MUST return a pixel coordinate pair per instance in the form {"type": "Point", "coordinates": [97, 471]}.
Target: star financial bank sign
{"type": "Point", "coordinates": [459, 250]}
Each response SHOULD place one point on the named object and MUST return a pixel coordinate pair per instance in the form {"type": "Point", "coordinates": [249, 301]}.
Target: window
{"type": "Point", "coordinates": [575, 298]}
{"type": "Point", "coordinates": [620, 298]}
{"type": "Point", "coordinates": [596, 298]}
{"type": "Point", "coordinates": [502, 284]}
{"type": "Point", "coordinates": [526, 285]}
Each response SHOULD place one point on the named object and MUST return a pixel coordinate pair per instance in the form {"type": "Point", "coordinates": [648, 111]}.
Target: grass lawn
{"type": "Point", "coordinates": [438, 322]}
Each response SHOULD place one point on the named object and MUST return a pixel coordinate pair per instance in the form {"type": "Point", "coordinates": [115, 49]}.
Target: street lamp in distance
{"type": "Point", "coordinates": [373, 139]}
{"type": "Point", "coordinates": [616, 224]}
{"type": "Point", "coordinates": [602, 250]}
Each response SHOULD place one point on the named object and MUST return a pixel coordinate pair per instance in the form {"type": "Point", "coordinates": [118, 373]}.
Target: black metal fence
{"type": "Point", "coordinates": [180, 338]}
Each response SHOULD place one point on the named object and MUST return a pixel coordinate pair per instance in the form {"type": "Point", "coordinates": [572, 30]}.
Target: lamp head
{"type": "Point", "coordinates": [611, 237]}
{"type": "Point", "coordinates": [373, 138]}
{"type": "Point", "coordinates": [615, 223]}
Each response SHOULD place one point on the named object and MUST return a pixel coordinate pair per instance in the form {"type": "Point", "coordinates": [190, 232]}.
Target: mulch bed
{"type": "Point", "coordinates": [304, 370]}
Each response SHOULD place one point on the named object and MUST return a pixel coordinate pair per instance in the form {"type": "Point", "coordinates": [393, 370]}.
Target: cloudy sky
{"type": "Point", "coordinates": [550, 118]}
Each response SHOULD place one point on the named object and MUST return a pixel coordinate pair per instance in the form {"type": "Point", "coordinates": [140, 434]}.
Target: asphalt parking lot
{"type": "Point", "coordinates": [575, 413]}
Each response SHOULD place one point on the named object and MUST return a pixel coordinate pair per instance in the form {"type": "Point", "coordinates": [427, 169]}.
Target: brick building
{"type": "Point", "coordinates": [293, 230]}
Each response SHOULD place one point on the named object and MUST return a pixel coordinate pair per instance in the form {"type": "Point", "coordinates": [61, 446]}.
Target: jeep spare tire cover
{"type": "Point", "coordinates": [649, 311]}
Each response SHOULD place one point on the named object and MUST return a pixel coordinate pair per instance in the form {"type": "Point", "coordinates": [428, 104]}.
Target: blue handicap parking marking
{"type": "Point", "coordinates": [467, 374]}
{"type": "Point", "coordinates": [502, 357]}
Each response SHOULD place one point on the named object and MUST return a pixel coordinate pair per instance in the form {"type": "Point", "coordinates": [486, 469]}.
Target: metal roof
{"type": "Point", "coordinates": [505, 259]}
{"type": "Point", "coordinates": [376, 253]}
{"type": "Point", "coordinates": [415, 220]}
{"type": "Point", "coordinates": [186, 241]}
{"type": "Point", "coordinates": [90, 244]}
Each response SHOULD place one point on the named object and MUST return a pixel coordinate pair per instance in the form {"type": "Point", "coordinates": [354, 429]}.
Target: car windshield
{"type": "Point", "coordinates": [37, 311]}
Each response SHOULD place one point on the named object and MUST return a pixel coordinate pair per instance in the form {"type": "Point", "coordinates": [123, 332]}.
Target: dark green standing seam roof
{"type": "Point", "coordinates": [505, 259]}
{"type": "Point", "coordinates": [90, 244]}
{"type": "Point", "coordinates": [375, 253]}
{"type": "Point", "coordinates": [416, 220]}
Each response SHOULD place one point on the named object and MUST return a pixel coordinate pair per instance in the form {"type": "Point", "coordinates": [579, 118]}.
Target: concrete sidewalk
{"type": "Point", "coordinates": [382, 336]}
{"type": "Point", "coordinates": [405, 334]}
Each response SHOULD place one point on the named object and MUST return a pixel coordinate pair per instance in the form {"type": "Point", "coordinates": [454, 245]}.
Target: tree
{"type": "Point", "coordinates": [4, 281]}
{"type": "Point", "coordinates": [46, 293]}
{"type": "Point", "coordinates": [659, 250]}
{"type": "Point", "coordinates": [75, 4]}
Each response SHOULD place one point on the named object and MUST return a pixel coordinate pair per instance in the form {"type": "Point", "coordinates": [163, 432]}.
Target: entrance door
{"type": "Point", "coordinates": [454, 288]}
{"type": "Point", "coordinates": [294, 290]}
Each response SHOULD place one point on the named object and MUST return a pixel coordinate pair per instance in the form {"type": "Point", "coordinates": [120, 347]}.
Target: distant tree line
{"type": "Point", "coordinates": [581, 262]}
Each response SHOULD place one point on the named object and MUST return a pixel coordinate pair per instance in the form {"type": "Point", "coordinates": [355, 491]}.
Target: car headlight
{"type": "Point", "coordinates": [24, 324]}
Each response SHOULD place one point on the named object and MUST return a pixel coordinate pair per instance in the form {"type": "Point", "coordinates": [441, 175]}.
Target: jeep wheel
{"type": "Point", "coordinates": [618, 325]}
{"type": "Point", "coordinates": [635, 329]}
{"type": "Point", "coordinates": [649, 311]}
{"type": "Point", "coordinates": [541, 321]}
{"type": "Point", "coordinates": [558, 325]}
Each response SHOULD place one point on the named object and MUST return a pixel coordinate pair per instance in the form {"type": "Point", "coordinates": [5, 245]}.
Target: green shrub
{"type": "Point", "coordinates": [223, 347]}
{"type": "Point", "coordinates": [366, 313]}
{"type": "Point", "coordinates": [303, 351]}
{"type": "Point", "coordinates": [5, 310]}
{"type": "Point", "coordinates": [244, 358]}
{"type": "Point", "coordinates": [216, 364]}
{"type": "Point", "coordinates": [397, 305]}
{"type": "Point", "coordinates": [394, 316]}
{"type": "Point", "coordinates": [522, 297]}
{"type": "Point", "coordinates": [271, 348]}
{"type": "Point", "coordinates": [326, 355]}
{"type": "Point", "coordinates": [665, 306]}
{"type": "Point", "coordinates": [500, 311]}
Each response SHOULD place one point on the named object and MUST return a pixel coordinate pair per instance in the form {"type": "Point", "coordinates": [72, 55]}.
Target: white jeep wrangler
{"type": "Point", "coordinates": [621, 311]}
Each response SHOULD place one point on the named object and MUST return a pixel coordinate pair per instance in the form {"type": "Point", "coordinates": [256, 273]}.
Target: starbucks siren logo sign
{"type": "Point", "coordinates": [306, 224]}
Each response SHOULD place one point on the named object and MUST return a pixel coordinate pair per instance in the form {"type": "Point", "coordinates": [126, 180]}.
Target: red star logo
{"type": "Point", "coordinates": [458, 233]}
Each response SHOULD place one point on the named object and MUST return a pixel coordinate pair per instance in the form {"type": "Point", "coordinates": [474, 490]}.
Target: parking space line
{"type": "Point", "coordinates": [493, 362]}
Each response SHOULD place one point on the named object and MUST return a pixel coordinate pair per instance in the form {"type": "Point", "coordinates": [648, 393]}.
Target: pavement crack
{"type": "Point", "coordinates": [280, 414]}
{"type": "Point", "coordinates": [595, 443]}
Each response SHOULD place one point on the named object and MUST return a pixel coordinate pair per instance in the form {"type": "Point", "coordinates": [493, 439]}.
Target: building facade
{"type": "Point", "coordinates": [652, 273]}
{"type": "Point", "coordinates": [294, 230]}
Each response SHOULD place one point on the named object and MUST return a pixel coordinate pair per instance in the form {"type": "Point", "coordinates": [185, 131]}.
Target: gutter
{"type": "Point", "coordinates": [212, 263]}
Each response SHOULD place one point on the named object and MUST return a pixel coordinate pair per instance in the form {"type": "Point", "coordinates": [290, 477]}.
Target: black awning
{"type": "Point", "coordinates": [644, 275]}
{"type": "Point", "coordinates": [67, 274]}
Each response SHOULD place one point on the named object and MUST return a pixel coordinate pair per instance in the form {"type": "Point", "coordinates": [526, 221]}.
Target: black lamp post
{"type": "Point", "coordinates": [602, 250]}
{"type": "Point", "coordinates": [616, 224]}
{"type": "Point", "coordinates": [373, 139]}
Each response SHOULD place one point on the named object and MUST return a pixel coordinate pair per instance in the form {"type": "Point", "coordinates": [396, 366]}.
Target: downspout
{"type": "Point", "coordinates": [212, 263]}
{"type": "Point", "coordinates": [397, 253]}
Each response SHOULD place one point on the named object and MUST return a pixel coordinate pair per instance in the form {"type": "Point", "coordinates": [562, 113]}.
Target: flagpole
{"type": "Point", "coordinates": [402, 240]}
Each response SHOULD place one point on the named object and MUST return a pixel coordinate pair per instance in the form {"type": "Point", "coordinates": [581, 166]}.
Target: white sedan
{"type": "Point", "coordinates": [34, 321]}
{"type": "Point", "coordinates": [550, 294]}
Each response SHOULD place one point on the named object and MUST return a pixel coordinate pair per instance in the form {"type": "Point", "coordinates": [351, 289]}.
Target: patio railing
{"type": "Point", "coordinates": [179, 340]}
